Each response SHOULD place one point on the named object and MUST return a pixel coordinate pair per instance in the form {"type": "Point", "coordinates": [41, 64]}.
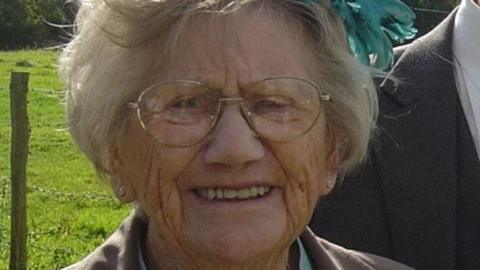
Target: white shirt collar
{"type": "Point", "coordinates": [466, 50]}
{"type": "Point", "coordinates": [466, 34]}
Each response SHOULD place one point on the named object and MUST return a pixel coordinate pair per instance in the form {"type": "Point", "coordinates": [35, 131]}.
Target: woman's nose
{"type": "Point", "coordinates": [232, 142]}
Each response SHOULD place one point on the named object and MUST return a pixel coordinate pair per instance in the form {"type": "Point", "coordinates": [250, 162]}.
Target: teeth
{"type": "Point", "coordinates": [211, 194]}
{"type": "Point", "coordinates": [243, 193]}
{"type": "Point", "coordinates": [219, 194]}
{"type": "Point", "coordinates": [233, 194]}
{"type": "Point", "coordinates": [230, 193]}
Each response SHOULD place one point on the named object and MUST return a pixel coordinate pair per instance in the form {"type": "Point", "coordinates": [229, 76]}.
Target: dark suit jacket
{"type": "Point", "coordinates": [404, 203]}
{"type": "Point", "coordinates": [120, 252]}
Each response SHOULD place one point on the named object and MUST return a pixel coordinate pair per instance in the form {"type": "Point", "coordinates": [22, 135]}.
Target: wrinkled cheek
{"type": "Point", "coordinates": [302, 190]}
{"type": "Point", "coordinates": [300, 200]}
{"type": "Point", "coordinates": [161, 201]}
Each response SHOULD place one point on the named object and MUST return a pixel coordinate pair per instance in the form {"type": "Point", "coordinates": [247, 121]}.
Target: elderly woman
{"type": "Point", "coordinates": [223, 122]}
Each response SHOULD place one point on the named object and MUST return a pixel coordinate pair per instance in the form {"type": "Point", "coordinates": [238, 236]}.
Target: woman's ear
{"type": "Point", "coordinates": [332, 158]}
{"type": "Point", "coordinates": [334, 140]}
{"type": "Point", "coordinates": [331, 181]}
{"type": "Point", "coordinates": [119, 178]}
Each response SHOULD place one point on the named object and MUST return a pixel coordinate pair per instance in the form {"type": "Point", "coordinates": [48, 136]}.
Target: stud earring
{"type": "Point", "coordinates": [122, 191]}
{"type": "Point", "coordinates": [331, 183]}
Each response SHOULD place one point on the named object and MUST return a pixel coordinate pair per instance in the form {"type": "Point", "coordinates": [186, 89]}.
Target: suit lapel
{"type": "Point", "coordinates": [415, 152]}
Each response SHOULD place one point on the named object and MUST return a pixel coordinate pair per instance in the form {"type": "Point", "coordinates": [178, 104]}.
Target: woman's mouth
{"type": "Point", "coordinates": [227, 194]}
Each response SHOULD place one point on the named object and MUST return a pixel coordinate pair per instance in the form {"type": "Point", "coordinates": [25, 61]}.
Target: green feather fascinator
{"type": "Point", "coordinates": [371, 26]}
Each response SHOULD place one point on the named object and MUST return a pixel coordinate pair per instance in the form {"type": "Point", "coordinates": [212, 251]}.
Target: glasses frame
{"type": "Point", "coordinates": [246, 114]}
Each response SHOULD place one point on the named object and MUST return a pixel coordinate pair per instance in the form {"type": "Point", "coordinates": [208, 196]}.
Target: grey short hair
{"type": "Point", "coordinates": [109, 60]}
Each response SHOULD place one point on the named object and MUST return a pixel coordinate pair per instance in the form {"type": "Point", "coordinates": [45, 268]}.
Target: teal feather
{"type": "Point", "coordinates": [371, 25]}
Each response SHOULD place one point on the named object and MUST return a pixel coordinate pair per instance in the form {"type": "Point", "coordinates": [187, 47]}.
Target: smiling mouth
{"type": "Point", "coordinates": [216, 194]}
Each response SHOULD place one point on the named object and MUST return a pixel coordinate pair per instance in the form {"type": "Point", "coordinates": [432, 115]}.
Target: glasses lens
{"type": "Point", "coordinates": [282, 108]}
{"type": "Point", "coordinates": [179, 113]}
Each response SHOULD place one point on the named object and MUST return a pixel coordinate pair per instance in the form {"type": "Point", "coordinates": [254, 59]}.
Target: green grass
{"type": "Point", "coordinates": [70, 211]}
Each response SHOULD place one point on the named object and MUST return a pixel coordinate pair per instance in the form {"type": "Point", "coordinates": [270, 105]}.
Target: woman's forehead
{"type": "Point", "coordinates": [250, 45]}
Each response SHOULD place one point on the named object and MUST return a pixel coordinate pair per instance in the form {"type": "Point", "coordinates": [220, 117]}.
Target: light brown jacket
{"type": "Point", "coordinates": [120, 252]}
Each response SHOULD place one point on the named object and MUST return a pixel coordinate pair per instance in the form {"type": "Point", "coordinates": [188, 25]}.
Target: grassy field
{"type": "Point", "coordinates": [70, 211]}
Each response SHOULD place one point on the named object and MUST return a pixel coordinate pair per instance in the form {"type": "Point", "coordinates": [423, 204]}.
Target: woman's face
{"type": "Point", "coordinates": [168, 181]}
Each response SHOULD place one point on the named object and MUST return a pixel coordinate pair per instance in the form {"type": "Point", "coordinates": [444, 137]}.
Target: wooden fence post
{"type": "Point", "coordinates": [18, 159]}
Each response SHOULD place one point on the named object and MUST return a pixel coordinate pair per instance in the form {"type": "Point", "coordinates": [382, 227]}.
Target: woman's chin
{"type": "Point", "coordinates": [236, 231]}
{"type": "Point", "coordinates": [232, 250]}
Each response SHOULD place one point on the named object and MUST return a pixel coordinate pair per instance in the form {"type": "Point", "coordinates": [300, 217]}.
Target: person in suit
{"type": "Point", "coordinates": [416, 199]}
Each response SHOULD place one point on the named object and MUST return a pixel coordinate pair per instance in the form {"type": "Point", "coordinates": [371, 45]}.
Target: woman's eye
{"type": "Point", "coordinates": [193, 105]}
{"type": "Point", "coordinates": [187, 110]}
{"type": "Point", "coordinates": [270, 104]}
{"type": "Point", "coordinates": [186, 103]}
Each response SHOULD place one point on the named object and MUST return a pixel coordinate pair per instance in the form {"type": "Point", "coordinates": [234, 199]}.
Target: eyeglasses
{"type": "Point", "coordinates": [182, 113]}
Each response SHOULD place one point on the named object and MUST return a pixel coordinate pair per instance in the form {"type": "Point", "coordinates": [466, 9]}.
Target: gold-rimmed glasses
{"type": "Point", "coordinates": [182, 113]}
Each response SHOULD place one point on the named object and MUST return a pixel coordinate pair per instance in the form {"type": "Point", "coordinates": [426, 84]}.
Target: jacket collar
{"type": "Point", "coordinates": [434, 48]}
